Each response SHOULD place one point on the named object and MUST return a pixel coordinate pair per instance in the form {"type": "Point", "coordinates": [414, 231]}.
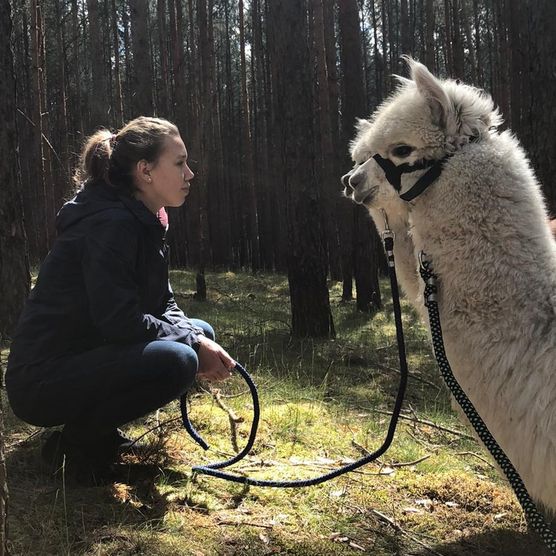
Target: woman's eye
{"type": "Point", "coordinates": [402, 151]}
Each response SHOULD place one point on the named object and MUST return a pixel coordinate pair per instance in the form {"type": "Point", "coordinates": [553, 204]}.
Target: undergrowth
{"type": "Point", "coordinates": [324, 403]}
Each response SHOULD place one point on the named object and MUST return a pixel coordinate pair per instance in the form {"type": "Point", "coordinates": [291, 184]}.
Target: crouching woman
{"type": "Point", "coordinates": [101, 340]}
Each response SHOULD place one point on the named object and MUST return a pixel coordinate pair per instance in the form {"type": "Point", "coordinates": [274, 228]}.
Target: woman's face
{"type": "Point", "coordinates": [165, 183]}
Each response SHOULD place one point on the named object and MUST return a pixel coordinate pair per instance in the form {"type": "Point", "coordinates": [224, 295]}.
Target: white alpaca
{"type": "Point", "coordinates": [483, 223]}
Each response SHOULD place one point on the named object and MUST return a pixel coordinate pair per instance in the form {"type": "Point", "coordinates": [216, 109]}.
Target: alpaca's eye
{"type": "Point", "coordinates": [402, 151]}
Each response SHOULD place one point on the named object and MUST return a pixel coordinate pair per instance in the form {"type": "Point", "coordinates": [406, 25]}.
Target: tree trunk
{"type": "Point", "coordinates": [251, 221]}
{"type": "Point", "coordinates": [118, 101]}
{"type": "Point", "coordinates": [142, 70]}
{"type": "Point", "coordinates": [164, 82]}
{"type": "Point", "coordinates": [538, 109]}
{"type": "Point", "coordinates": [206, 59]}
{"type": "Point", "coordinates": [99, 106]}
{"type": "Point", "coordinates": [39, 217]}
{"type": "Point", "coordinates": [404, 20]}
{"type": "Point", "coordinates": [362, 251]}
{"type": "Point", "coordinates": [14, 267]}
{"type": "Point", "coordinates": [429, 35]}
{"type": "Point", "coordinates": [328, 175]}
{"type": "Point", "coordinates": [287, 27]}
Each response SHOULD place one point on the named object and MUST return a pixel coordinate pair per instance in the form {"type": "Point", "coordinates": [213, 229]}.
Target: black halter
{"type": "Point", "coordinates": [394, 173]}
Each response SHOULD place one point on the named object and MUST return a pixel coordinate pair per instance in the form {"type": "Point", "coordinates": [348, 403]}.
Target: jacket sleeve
{"type": "Point", "coordinates": [109, 271]}
{"type": "Point", "coordinates": [174, 315]}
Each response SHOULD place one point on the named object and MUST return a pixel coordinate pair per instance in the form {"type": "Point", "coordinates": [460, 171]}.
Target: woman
{"type": "Point", "coordinates": [101, 340]}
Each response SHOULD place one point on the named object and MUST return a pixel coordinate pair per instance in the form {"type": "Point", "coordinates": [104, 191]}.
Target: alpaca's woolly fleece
{"type": "Point", "coordinates": [484, 225]}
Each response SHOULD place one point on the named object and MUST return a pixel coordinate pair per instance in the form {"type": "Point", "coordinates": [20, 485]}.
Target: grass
{"type": "Point", "coordinates": [323, 402]}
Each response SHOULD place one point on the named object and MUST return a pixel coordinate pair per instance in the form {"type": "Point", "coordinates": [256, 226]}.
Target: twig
{"type": "Point", "coordinates": [412, 376]}
{"type": "Point", "coordinates": [484, 460]}
{"type": "Point", "coordinates": [398, 528]}
{"type": "Point", "coordinates": [391, 464]}
{"type": "Point", "coordinates": [157, 426]}
{"type": "Point", "coordinates": [24, 440]}
{"type": "Point", "coordinates": [45, 138]}
{"type": "Point", "coordinates": [426, 422]}
{"type": "Point", "coordinates": [233, 418]}
{"type": "Point", "coordinates": [249, 523]}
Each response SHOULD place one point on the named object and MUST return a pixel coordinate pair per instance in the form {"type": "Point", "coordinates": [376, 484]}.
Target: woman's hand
{"type": "Point", "coordinates": [214, 362]}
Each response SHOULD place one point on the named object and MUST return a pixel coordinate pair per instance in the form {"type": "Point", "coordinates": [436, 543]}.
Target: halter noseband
{"type": "Point", "coordinates": [394, 173]}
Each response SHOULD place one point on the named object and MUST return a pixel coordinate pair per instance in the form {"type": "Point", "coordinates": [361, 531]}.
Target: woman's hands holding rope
{"type": "Point", "coordinates": [215, 363]}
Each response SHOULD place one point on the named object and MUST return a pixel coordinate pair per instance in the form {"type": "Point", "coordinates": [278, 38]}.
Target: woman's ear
{"type": "Point", "coordinates": [143, 171]}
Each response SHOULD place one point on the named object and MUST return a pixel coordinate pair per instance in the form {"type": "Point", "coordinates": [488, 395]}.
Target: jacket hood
{"type": "Point", "coordinates": [98, 197]}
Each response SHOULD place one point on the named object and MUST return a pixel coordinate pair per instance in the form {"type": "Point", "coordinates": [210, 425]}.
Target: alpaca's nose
{"type": "Point", "coordinates": [345, 180]}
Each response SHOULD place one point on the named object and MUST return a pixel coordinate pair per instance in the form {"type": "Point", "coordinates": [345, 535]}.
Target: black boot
{"type": "Point", "coordinates": [75, 462]}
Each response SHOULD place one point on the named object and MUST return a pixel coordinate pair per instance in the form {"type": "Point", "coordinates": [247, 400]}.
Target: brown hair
{"type": "Point", "coordinates": [111, 157]}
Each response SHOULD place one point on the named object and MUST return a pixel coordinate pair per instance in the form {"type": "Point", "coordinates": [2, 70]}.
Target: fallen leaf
{"type": "Point", "coordinates": [410, 510]}
{"type": "Point", "coordinates": [338, 493]}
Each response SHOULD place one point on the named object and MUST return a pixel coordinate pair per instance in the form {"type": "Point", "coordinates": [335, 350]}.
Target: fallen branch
{"type": "Point", "coordinates": [232, 417]}
{"type": "Point", "coordinates": [412, 376]}
{"type": "Point", "coordinates": [484, 460]}
{"type": "Point", "coordinates": [425, 422]}
{"type": "Point", "coordinates": [391, 464]}
{"type": "Point", "coordinates": [248, 523]}
{"type": "Point", "coordinates": [398, 528]}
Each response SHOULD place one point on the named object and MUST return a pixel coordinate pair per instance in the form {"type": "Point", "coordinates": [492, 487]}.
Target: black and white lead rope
{"type": "Point", "coordinates": [532, 514]}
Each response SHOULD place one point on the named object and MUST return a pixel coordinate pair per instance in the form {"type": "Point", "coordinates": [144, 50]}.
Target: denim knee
{"type": "Point", "coordinates": [175, 364]}
{"type": "Point", "coordinates": [207, 328]}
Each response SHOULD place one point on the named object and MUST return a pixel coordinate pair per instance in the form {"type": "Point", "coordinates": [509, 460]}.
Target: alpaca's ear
{"type": "Point", "coordinates": [433, 92]}
{"type": "Point", "coordinates": [402, 81]}
{"type": "Point", "coordinates": [362, 125]}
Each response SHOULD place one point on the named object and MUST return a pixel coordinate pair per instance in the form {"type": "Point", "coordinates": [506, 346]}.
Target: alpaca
{"type": "Point", "coordinates": [484, 226]}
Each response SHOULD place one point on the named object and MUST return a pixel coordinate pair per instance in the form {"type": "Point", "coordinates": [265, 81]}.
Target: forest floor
{"type": "Point", "coordinates": [435, 492]}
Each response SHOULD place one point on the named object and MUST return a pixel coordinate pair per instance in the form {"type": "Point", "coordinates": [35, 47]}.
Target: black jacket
{"type": "Point", "coordinates": [104, 281]}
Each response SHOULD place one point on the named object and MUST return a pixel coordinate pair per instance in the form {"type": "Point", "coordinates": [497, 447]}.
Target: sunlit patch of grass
{"type": "Point", "coordinates": [323, 403]}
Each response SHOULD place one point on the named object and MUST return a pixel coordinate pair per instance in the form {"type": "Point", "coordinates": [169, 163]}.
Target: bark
{"type": "Point", "coordinates": [118, 100]}
{"type": "Point", "coordinates": [99, 106]}
{"type": "Point", "coordinates": [14, 268]}
{"type": "Point", "coordinates": [251, 221]}
{"type": "Point", "coordinates": [38, 186]}
{"type": "Point", "coordinates": [206, 136]}
{"type": "Point", "coordinates": [429, 35]}
{"type": "Point", "coordinates": [360, 256]}
{"type": "Point", "coordinates": [164, 81]}
{"type": "Point", "coordinates": [404, 20]}
{"type": "Point", "coordinates": [538, 109]}
{"type": "Point", "coordinates": [142, 70]}
{"type": "Point", "coordinates": [260, 132]}
{"type": "Point", "coordinates": [457, 43]}
{"type": "Point", "coordinates": [329, 177]}
{"type": "Point", "coordinates": [287, 25]}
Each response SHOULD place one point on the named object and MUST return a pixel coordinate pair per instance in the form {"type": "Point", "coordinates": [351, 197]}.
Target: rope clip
{"type": "Point", "coordinates": [387, 232]}
{"type": "Point", "coordinates": [424, 263]}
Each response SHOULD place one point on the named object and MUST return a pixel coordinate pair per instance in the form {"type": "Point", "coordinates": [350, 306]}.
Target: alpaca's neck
{"type": "Point", "coordinates": [404, 252]}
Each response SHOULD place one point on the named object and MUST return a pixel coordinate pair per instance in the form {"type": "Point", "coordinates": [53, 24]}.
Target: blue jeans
{"type": "Point", "coordinates": [105, 387]}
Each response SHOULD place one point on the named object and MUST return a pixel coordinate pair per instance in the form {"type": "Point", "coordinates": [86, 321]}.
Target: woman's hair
{"type": "Point", "coordinates": [111, 157]}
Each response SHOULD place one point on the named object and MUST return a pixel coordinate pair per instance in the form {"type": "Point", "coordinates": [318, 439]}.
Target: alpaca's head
{"type": "Point", "coordinates": [424, 120]}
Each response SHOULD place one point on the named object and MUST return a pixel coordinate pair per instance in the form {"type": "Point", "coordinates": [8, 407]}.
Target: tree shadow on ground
{"type": "Point", "coordinates": [47, 507]}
